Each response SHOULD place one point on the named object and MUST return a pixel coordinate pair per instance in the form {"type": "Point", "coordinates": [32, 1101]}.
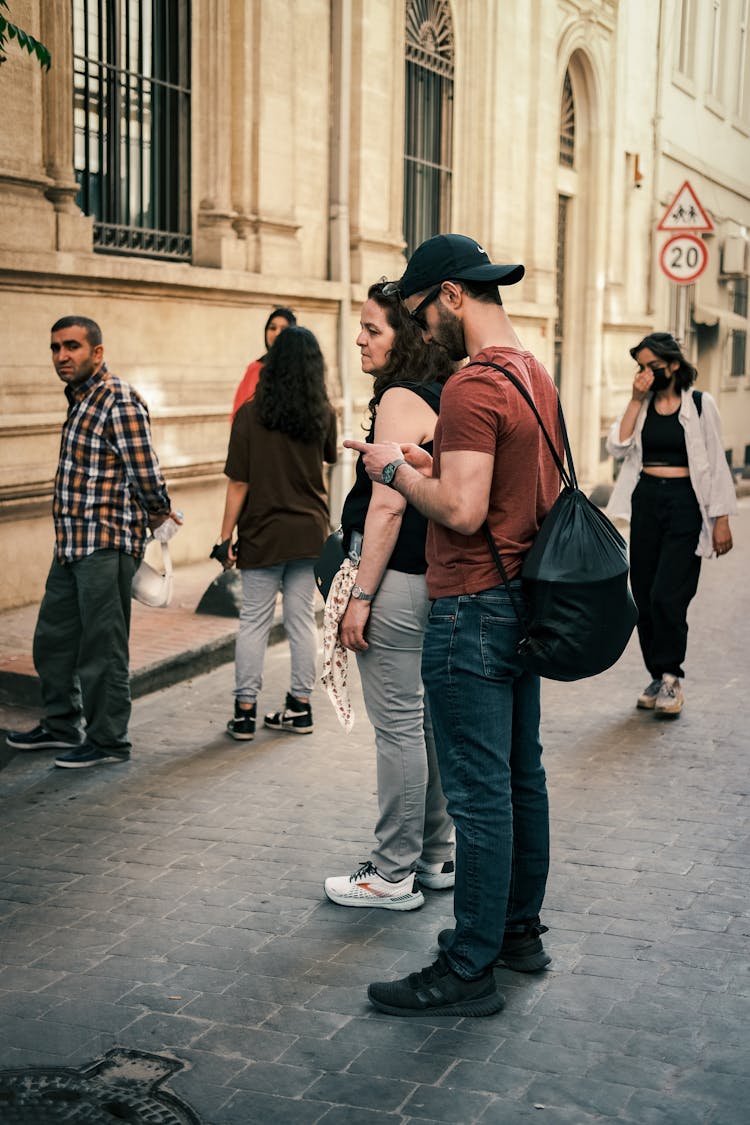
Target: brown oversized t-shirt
{"type": "Point", "coordinates": [286, 512]}
{"type": "Point", "coordinates": [481, 411]}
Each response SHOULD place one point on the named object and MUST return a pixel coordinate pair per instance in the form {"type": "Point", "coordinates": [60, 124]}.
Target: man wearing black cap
{"type": "Point", "coordinates": [490, 464]}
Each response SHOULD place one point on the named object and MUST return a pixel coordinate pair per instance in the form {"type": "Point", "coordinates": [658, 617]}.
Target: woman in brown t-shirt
{"type": "Point", "coordinates": [276, 498]}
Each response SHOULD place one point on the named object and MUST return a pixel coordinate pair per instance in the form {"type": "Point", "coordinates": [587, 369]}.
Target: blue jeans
{"type": "Point", "coordinates": [485, 713]}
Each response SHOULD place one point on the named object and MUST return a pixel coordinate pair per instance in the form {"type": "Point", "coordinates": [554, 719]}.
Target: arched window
{"type": "Point", "coordinates": [131, 107]}
{"type": "Point", "coordinates": [567, 124]}
{"type": "Point", "coordinates": [428, 152]}
{"type": "Point", "coordinates": [566, 160]}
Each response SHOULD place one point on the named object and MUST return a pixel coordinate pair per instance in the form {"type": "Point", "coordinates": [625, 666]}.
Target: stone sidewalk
{"type": "Point", "coordinates": [174, 906]}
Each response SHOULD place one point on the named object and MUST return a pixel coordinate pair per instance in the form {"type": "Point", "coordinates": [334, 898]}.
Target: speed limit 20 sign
{"type": "Point", "coordinates": [683, 258]}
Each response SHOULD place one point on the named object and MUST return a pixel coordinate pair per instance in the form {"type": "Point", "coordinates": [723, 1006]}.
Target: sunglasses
{"type": "Point", "coordinates": [417, 316]}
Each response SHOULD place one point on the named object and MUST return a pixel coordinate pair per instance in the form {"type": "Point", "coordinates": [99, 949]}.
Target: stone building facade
{"type": "Point", "coordinates": [184, 167]}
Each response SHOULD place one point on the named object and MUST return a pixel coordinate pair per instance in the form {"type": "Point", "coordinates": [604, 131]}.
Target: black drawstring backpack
{"type": "Point", "coordinates": [578, 612]}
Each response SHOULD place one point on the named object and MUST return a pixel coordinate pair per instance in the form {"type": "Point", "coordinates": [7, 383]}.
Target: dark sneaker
{"type": "Point", "coordinates": [90, 756]}
{"type": "Point", "coordinates": [524, 953]}
{"type": "Point", "coordinates": [437, 991]}
{"type": "Point", "coordinates": [436, 876]}
{"type": "Point", "coordinates": [242, 726]}
{"type": "Point", "coordinates": [39, 739]}
{"type": "Point", "coordinates": [296, 717]}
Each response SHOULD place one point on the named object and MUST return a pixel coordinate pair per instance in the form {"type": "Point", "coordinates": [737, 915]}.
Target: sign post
{"type": "Point", "coordinates": [684, 256]}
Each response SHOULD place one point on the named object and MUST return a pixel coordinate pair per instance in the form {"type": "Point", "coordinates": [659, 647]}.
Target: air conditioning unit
{"type": "Point", "coordinates": [734, 256]}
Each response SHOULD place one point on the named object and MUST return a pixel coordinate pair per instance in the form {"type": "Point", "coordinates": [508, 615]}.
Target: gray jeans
{"type": "Point", "coordinates": [260, 587]}
{"type": "Point", "coordinates": [413, 822]}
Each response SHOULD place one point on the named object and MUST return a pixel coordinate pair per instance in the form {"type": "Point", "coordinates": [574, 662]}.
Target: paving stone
{"type": "Point", "coordinates": [606, 1099]}
{"type": "Point", "coordinates": [331, 1055]}
{"type": "Point", "coordinates": [364, 1090]}
{"type": "Point", "coordinates": [278, 1078]}
{"type": "Point", "coordinates": [442, 1103]}
{"type": "Point", "coordinates": [244, 1042]}
{"type": "Point", "coordinates": [264, 1109]}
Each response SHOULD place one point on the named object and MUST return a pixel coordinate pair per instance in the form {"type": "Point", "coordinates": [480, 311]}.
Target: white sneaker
{"type": "Point", "coordinates": [436, 876]}
{"type": "Point", "coordinates": [670, 699]}
{"type": "Point", "coordinates": [647, 698]}
{"type": "Point", "coordinates": [367, 887]}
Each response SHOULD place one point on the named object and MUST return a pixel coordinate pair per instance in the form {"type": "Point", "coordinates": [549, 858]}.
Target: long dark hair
{"type": "Point", "coordinates": [667, 348]}
{"type": "Point", "coordinates": [410, 360]}
{"type": "Point", "coordinates": [291, 395]}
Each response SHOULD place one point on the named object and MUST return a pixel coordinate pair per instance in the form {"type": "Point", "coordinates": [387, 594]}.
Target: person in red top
{"type": "Point", "coordinates": [279, 319]}
{"type": "Point", "coordinates": [491, 465]}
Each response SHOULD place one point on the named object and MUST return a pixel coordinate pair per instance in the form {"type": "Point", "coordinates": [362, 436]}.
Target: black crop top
{"type": "Point", "coordinates": [663, 440]}
{"type": "Point", "coordinates": [408, 554]}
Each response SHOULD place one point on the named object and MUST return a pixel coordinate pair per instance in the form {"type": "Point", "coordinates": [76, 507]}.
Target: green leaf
{"type": "Point", "coordinates": [27, 42]}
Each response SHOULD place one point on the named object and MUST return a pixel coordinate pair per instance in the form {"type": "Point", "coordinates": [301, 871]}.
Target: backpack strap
{"type": "Point", "coordinates": [568, 476]}
{"type": "Point", "coordinates": [698, 400]}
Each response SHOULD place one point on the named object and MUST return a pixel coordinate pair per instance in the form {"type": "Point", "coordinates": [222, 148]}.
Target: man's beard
{"type": "Point", "coordinates": [450, 335]}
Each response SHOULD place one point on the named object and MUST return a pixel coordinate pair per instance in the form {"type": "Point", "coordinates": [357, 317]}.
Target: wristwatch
{"type": "Point", "coordinates": [360, 595]}
{"type": "Point", "coordinates": [389, 470]}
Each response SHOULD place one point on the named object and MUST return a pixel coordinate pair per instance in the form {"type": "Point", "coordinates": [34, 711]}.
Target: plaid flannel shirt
{"type": "Point", "coordinates": [108, 478]}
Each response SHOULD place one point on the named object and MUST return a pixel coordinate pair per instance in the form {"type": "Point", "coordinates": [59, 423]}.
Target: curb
{"type": "Point", "coordinates": [24, 690]}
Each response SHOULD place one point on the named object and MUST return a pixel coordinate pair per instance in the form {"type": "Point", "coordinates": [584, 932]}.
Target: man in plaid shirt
{"type": "Point", "coordinates": [108, 491]}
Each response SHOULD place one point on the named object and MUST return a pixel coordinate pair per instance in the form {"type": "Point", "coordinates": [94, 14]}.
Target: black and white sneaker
{"type": "Point", "coordinates": [242, 726]}
{"type": "Point", "coordinates": [296, 717]}
{"type": "Point", "coordinates": [40, 739]}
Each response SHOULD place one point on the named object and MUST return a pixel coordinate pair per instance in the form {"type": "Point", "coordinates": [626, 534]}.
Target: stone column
{"type": "Point", "coordinates": [73, 229]}
{"type": "Point", "coordinates": [216, 242]}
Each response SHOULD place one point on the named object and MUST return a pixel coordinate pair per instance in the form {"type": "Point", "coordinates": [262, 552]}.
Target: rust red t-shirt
{"type": "Point", "coordinates": [481, 411]}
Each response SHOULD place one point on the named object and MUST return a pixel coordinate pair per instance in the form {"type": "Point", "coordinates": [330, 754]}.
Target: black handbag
{"type": "Point", "coordinates": [578, 613]}
{"type": "Point", "coordinates": [328, 563]}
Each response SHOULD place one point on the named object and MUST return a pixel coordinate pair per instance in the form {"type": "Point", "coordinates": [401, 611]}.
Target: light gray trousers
{"type": "Point", "coordinates": [413, 822]}
{"type": "Point", "coordinates": [260, 587]}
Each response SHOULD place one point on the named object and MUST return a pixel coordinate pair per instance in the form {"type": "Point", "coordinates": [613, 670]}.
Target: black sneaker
{"type": "Point", "coordinates": [296, 717]}
{"type": "Point", "coordinates": [39, 739]}
{"type": "Point", "coordinates": [86, 756]}
{"type": "Point", "coordinates": [437, 991]}
{"type": "Point", "coordinates": [524, 953]}
{"type": "Point", "coordinates": [242, 726]}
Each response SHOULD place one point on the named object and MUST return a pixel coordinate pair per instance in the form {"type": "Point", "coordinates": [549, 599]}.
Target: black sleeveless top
{"type": "Point", "coordinates": [408, 554]}
{"type": "Point", "coordinates": [663, 439]}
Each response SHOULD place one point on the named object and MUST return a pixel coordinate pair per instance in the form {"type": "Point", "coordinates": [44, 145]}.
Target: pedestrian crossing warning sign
{"type": "Point", "coordinates": [685, 212]}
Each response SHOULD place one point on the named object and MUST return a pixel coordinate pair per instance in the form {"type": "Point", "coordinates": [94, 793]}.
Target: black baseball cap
{"type": "Point", "coordinates": [452, 256]}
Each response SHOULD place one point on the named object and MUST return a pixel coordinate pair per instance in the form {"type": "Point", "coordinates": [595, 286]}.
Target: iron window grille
{"type": "Point", "coordinates": [428, 152]}
{"type": "Point", "coordinates": [131, 103]}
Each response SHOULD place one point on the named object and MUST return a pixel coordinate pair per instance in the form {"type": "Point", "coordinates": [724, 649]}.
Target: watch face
{"type": "Point", "coordinates": [389, 470]}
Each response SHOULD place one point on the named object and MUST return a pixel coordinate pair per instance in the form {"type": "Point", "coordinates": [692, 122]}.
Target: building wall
{"type": "Point", "coordinates": [297, 189]}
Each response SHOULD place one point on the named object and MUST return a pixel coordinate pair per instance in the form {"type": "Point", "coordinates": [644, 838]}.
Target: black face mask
{"type": "Point", "coordinates": [661, 379]}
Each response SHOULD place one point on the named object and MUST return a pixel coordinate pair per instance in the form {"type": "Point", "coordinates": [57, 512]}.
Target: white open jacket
{"type": "Point", "coordinates": [709, 472]}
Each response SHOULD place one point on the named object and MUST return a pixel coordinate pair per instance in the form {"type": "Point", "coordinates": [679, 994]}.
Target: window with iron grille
{"type": "Point", "coordinates": [131, 102]}
{"type": "Point", "coordinates": [738, 336]}
{"type": "Point", "coordinates": [428, 153]}
{"type": "Point", "coordinates": [738, 346]}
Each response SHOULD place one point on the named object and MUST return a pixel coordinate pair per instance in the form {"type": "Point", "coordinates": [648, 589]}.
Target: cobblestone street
{"type": "Point", "coordinates": [174, 905]}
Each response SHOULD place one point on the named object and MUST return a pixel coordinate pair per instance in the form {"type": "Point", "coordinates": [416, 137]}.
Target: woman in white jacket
{"type": "Point", "coordinates": [677, 490]}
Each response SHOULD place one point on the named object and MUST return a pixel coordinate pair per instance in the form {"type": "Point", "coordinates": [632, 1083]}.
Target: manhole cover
{"type": "Point", "coordinates": [121, 1087]}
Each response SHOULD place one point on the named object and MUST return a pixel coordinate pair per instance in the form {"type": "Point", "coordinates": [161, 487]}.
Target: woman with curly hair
{"type": "Point", "coordinates": [276, 498]}
{"type": "Point", "coordinates": [385, 620]}
{"type": "Point", "coordinates": [676, 483]}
